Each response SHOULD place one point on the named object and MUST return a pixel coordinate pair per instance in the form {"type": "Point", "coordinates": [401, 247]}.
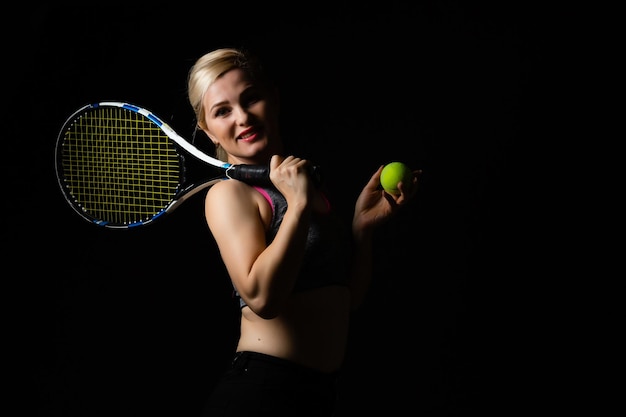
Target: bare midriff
{"type": "Point", "coordinates": [313, 330]}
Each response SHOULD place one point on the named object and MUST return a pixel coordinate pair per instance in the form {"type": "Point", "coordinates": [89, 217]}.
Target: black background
{"type": "Point", "coordinates": [116, 323]}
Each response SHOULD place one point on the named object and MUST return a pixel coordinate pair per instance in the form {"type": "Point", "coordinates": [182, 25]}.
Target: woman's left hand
{"type": "Point", "coordinates": [374, 205]}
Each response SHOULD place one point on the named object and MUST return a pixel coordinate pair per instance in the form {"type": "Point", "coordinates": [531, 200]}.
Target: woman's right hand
{"type": "Point", "coordinates": [291, 177]}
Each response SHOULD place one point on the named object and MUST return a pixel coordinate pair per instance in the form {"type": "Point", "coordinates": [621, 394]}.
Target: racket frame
{"type": "Point", "coordinates": [181, 195]}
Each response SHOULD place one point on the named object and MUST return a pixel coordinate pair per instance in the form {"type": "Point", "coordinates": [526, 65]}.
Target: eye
{"type": "Point", "coordinates": [221, 112]}
{"type": "Point", "coordinates": [253, 98]}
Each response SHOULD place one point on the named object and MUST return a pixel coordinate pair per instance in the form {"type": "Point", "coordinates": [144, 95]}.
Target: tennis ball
{"type": "Point", "coordinates": [392, 174]}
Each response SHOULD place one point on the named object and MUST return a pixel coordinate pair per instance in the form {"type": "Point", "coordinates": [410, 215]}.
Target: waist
{"type": "Point", "coordinates": [312, 330]}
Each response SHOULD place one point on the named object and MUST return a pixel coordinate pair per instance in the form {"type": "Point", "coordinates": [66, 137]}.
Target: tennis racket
{"type": "Point", "coordinates": [120, 166]}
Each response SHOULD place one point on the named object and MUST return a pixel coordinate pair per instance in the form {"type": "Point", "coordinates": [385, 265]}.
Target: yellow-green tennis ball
{"type": "Point", "coordinates": [392, 174]}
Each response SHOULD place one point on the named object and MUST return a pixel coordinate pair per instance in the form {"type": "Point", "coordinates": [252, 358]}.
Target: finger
{"type": "Point", "coordinates": [374, 181]}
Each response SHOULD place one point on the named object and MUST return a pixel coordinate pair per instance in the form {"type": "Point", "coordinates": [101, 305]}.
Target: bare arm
{"type": "Point", "coordinates": [264, 275]}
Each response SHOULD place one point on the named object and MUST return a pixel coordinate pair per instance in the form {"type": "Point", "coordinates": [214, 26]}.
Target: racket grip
{"type": "Point", "coordinates": [260, 174]}
{"type": "Point", "coordinates": [250, 174]}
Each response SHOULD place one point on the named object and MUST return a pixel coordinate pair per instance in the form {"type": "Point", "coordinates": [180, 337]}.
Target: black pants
{"type": "Point", "coordinates": [260, 385]}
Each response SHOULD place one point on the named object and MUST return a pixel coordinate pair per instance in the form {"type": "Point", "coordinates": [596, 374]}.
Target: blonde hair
{"type": "Point", "coordinates": [209, 68]}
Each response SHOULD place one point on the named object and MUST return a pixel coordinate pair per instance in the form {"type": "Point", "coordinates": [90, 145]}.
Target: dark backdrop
{"type": "Point", "coordinates": [115, 323]}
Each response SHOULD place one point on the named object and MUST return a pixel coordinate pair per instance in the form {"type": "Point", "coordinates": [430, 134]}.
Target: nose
{"type": "Point", "coordinates": [241, 116]}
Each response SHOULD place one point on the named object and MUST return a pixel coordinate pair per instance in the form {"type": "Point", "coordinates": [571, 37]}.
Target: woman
{"type": "Point", "coordinates": [297, 272]}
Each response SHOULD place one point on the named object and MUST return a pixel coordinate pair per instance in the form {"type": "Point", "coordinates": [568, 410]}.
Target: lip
{"type": "Point", "coordinates": [248, 135]}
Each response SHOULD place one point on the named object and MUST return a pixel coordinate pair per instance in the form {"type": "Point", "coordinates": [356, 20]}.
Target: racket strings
{"type": "Point", "coordinates": [119, 166]}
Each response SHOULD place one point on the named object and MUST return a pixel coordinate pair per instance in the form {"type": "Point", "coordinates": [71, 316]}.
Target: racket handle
{"type": "Point", "coordinates": [260, 174]}
{"type": "Point", "coordinates": [250, 174]}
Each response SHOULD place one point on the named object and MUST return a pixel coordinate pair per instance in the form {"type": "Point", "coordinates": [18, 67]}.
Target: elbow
{"type": "Point", "coordinates": [264, 307]}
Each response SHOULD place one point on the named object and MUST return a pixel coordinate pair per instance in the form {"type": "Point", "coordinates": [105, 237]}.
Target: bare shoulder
{"type": "Point", "coordinates": [234, 213]}
{"type": "Point", "coordinates": [236, 200]}
{"type": "Point", "coordinates": [227, 189]}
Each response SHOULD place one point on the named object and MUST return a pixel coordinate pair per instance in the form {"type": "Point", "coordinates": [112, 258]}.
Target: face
{"type": "Point", "coordinates": [240, 117]}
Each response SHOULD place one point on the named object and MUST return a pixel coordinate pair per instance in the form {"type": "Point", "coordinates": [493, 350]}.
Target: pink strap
{"type": "Point", "coordinates": [266, 195]}
{"type": "Point", "coordinates": [269, 200]}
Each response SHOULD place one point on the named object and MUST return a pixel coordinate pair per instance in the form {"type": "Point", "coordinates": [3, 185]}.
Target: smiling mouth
{"type": "Point", "coordinates": [249, 135]}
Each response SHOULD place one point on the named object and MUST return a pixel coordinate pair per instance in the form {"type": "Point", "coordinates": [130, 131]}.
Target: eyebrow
{"type": "Point", "coordinates": [218, 104]}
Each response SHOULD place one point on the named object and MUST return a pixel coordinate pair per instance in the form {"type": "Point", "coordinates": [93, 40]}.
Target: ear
{"type": "Point", "coordinates": [206, 132]}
